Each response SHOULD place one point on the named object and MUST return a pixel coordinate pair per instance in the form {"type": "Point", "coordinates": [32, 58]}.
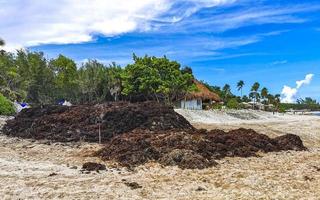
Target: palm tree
{"type": "Point", "coordinates": [2, 43]}
{"type": "Point", "coordinates": [255, 87]}
{"type": "Point", "coordinates": [277, 101]}
{"type": "Point", "coordinates": [240, 85]}
{"type": "Point", "coordinates": [264, 93]}
{"type": "Point", "coordinates": [226, 91]}
{"type": "Point", "coordinates": [254, 93]}
{"type": "Point", "coordinates": [270, 99]}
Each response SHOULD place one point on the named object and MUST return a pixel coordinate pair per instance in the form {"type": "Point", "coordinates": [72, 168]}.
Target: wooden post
{"type": "Point", "coordinates": [99, 134]}
{"type": "Point", "coordinates": [99, 121]}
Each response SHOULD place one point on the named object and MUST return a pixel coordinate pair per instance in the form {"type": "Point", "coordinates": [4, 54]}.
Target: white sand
{"type": "Point", "coordinates": [25, 167]}
{"type": "Point", "coordinates": [239, 116]}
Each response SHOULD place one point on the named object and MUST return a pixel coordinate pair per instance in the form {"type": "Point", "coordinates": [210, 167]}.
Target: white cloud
{"type": "Point", "coordinates": [279, 62]}
{"type": "Point", "coordinates": [250, 14]}
{"type": "Point", "coordinates": [26, 23]}
{"type": "Point", "coordinates": [306, 81]}
{"type": "Point", "coordinates": [289, 95]}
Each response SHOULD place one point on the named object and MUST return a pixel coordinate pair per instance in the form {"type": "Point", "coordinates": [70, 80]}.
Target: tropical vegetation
{"type": "Point", "coordinates": [6, 106]}
{"type": "Point", "coordinates": [29, 76]}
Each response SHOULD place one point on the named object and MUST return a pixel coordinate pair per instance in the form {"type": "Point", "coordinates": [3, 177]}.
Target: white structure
{"type": "Point", "coordinates": [20, 106]}
{"type": "Point", "coordinates": [67, 103]}
{"type": "Point", "coordinates": [193, 104]}
{"type": "Point", "coordinates": [199, 99]}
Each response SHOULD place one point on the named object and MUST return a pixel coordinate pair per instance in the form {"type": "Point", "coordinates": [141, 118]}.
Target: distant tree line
{"type": "Point", "coordinates": [29, 76]}
{"type": "Point", "coordinates": [257, 95]}
{"type": "Point", "coordinates": [302, 104]}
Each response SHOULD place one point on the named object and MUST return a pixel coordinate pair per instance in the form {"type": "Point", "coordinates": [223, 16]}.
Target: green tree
{"type": "Point", "coordinates": [277, 101]}
{"type": "Point", "coordinates": [8, 76]}
{"type": "Point", "coordinates": [240, 85]}
{"type": "Point", "coordinates": [187, 70]}
{"type": "Point", "coordinates": [2, 43]}
{"type": "Point", "coordinates": [245, 98]}
{"type": "Point", "coordinates": [264, 94]}
{"type": "Point", "coordinates": [155, 78]}
{"type": "Point", "coordinates": [114, 74]}
{"type": "Point", "coordinates": [307, 101]}
{"type": "Point", "coordinates": [66, 77]}
{"type": "Point", "coordinates": [226, 92]}
{"type": "Point", "coordinates": [270, 99]}
{"type": "Point", "coordinates": [40, 84]}
{"type": "Point", "coordinates": [254, 93]}
{"type": "Point", "coordinates": [6, 106]}
{"type": "Point", "coordinates": [255, 87]}
{"type": "Point", "coordinates": [92, 77]}
{"type": "Point", "coordinates": [213, 88]}
{"type": "Point", "coordinates": [15, 74]}
{"type": "Point", "coordinates": [233, 104]}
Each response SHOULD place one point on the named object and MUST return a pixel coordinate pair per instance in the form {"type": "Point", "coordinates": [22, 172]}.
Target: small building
{"type": "Point", "coordinates": [199, 99]}
{"type": "Point", "coordinates": [256, 105]}
{"type": "Point", "coordinates": [246, 105]}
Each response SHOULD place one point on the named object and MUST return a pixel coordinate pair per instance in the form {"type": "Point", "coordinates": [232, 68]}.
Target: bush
{"type": "Point", "coordinates": [282, 109]}
{"type": "Point", "coordinates": [6, 106]}
{"type": "Point", "coordinates": [216, 106]}
{"type": "Point", "coordinates": [233, 104]}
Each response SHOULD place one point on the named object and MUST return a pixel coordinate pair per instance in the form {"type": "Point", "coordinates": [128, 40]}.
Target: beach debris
{"type": "Point", "coordinates": [290, 142]}
{"type": "Point", "coordinates": [64, 102]}
{"type": "Point", "coordinates": [136, 133]}
{"type": "Point", "coordinates": [308, 178]}
{"type": "Point", "coordinates": [186, 159]}
{"type": "Point", "coordinates": [53, 174]}
{"type": "Point", "coordinates": [79, 123]}
{"type": "Point", "coordinates": [20, 106]}
{"type": "Point", "coordinates": [316, 168]}
{"type": "Point", "coordinates": [92, 166]}
{"type": "Point", "coordinates": [191, 150]}
{"type": "Point", "coordinates": [199, 189]}
{"type": "Point", "coordinates": [133, 185]}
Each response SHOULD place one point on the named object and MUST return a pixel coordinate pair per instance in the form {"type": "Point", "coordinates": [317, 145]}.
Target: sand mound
{"type": "Point", "coordinates": [75, 123]}
{"type": "Point", "coordinates": [195, 149]}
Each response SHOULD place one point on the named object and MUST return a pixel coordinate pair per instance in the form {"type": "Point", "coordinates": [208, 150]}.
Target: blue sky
{"type": "Point", "coordinates": [274, 42]}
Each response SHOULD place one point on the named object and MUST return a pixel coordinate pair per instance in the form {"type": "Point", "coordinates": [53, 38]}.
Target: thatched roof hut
{"type": "Point", "coordinates": [202, 93]}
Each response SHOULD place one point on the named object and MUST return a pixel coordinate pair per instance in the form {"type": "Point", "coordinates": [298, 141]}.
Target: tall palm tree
{"type": "Point", "coordinates": [277, 97]}
{"type": "Point", "coordinates": [270, 99]}
{"type": "Point", "coordinates": [226, 91]}
{"type": "Point", "coordinates": [277, 101]}
{"type": "Point", "coordinates": [264, 94]}
{"type": "Point", "coordinates": [254, 93]}
{"type": "Point", "coordinates": [255, 87]}
{"type": "Point", "coordinates": [240, 85]}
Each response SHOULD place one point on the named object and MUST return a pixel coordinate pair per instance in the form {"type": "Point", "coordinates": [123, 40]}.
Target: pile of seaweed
{"type": "Point", "coordinates": [136, 133]}
{"type": "Point", "coordinates": [82, 122]}
{"type": "Point", "coordinates": [195, 149]}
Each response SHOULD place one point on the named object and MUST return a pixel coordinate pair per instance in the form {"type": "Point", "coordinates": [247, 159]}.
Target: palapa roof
{"type": "Point", "coordinates": [203, 93]}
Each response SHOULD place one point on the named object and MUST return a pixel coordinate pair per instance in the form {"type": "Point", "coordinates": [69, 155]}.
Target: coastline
{"type": "Point", "coordinates": [241, 116]}
{"type": "Point", "coordinates": [26, 166]}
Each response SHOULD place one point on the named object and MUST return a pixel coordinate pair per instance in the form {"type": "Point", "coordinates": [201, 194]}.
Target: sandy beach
{"type": "Point", "coordinates": [43, 170]}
